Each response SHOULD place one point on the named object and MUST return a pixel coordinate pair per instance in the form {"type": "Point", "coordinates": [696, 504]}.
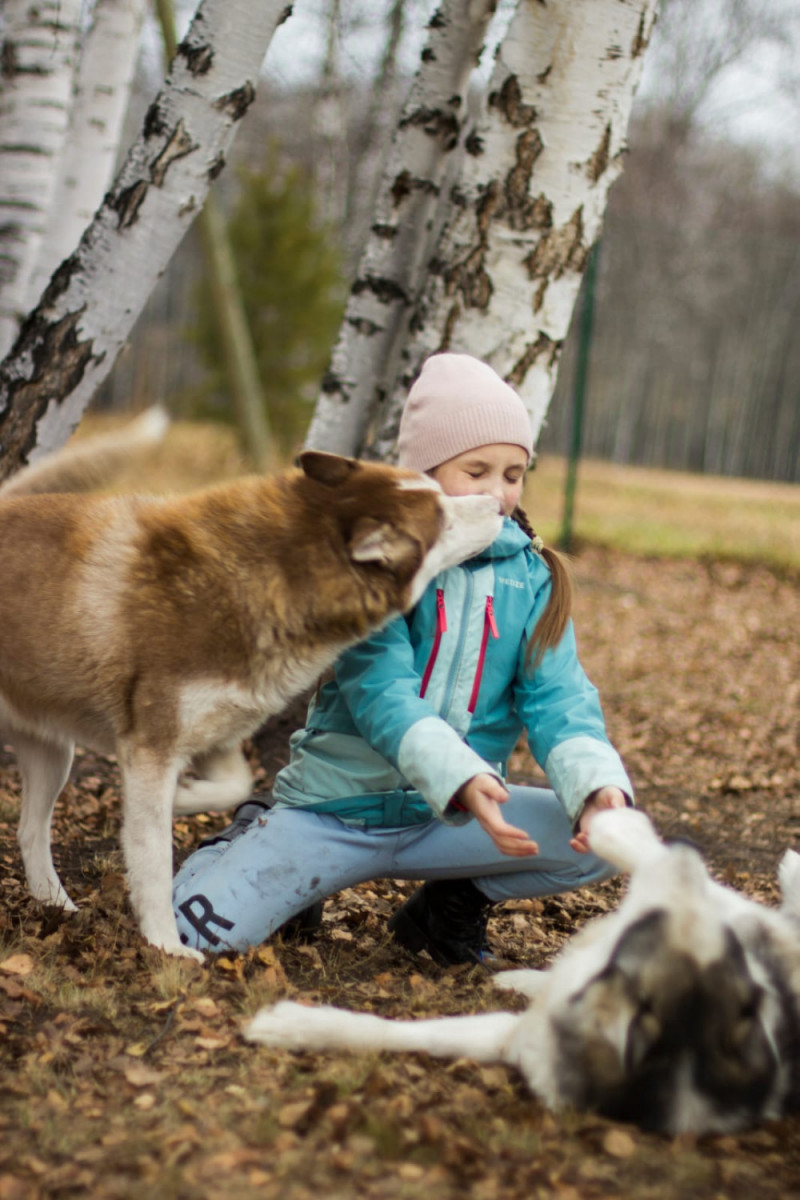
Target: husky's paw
{"type": "Point", "coordinates": [527, 983]}
{"type": "Point", "coordinates": [176, 949]}
{"type": "Point", "coordinates": [789, 878]}
{"type": "Point", "coordinates": [624, 837]}
{"type": "Point", "coordinates": [54, 896]}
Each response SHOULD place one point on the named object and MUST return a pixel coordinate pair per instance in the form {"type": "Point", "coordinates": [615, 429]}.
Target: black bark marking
{"type": "Point", "coordinates": [436, 122]}
{"type": "Point", "coordinates": [428, 55]}
{"type": "Point", "coordinates": [509, 101]}
{"type": "Point", "coordinates": [217, 166]}
{"type": "Point", "coordinates": [179, 145]}
{"type": "Point", "coordinates": [598, 163]}
{"type": "Point", "coordinates": [58, 363]}
{"type": "Point", "coordinates": [406, 183]}
{"type": "Point", "coordinates": [126, 204]}
{"type": "Point", "coordinates": [237, 102]}
{"type": "Point", "coordinates": [387, 291]}
{"type": "Point", "coordinates": [544, 346]}
{"type": "Point", "coordinates": [474, 144]}
{"type": "Point", "coordinates": [287, 12]}
{"type": "Point", "coordinates": [522, 209]}
{"type": "Point", "coordinates": [364, 326]}
{"type": "Point", "coordinates": [469, 277]}
{"type": "Point", "coordinates": [641, 41]}
{"type": "Point", "coordinates": [156, 123]}
{"type": "Point", "coordinates": [387, 232]}
{"type": "Point", "coordinates": [437, 21]}
{"type": "Point", "coordinates": [331, 384]}
{"type": "Point", "coordinates": [199, 57]}
{"type": "Point", "coordinates": [9, 61]}
{"type": "Point", "coordinates": [559, 250]}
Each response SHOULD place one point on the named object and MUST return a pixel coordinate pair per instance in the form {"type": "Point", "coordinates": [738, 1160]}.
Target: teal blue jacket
{"type": "Point", "coordinates": [443, 694]}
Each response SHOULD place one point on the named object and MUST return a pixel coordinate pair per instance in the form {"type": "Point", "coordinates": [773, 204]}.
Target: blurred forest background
{"type": "Point", "coordinates": [695, 357]}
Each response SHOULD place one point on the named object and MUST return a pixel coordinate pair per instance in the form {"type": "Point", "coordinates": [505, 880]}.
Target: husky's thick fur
{"type": "Point", "coordinates": [165, 630]}
{"type": "Point", "coordinates": [679, 1012]}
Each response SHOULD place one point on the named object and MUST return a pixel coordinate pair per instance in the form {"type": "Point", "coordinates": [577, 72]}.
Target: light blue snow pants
{"type": "Point", "coordinates": [231, 895]}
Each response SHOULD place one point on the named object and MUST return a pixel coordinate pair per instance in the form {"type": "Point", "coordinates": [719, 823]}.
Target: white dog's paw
{"type": "Point", "coordinates": [624, 837]}
{"type": "Point", "coordinates": [295, 1026]}
{"type": "Point", "coordinates": [527, 983]}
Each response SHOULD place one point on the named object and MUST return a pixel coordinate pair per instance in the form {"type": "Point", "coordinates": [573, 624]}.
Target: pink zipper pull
{"type": "Point", "coordinates": [441, 615]}
{"type": "Point", "coordinates": [441, 627]}
{"type": "Point", "coordinates": [490, 617]}
{"type": "Point", "coordinates": [489, 626]}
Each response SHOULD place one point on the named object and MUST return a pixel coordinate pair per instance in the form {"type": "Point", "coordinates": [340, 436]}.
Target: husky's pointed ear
{"type": "Point", "coordinates": [379, 542]}
{"type": "Point", "coordinates": [330, 469]}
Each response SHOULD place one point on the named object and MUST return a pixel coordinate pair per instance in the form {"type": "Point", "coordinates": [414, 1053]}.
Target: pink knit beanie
{"type": "Point", "coordinates": [457, 404]}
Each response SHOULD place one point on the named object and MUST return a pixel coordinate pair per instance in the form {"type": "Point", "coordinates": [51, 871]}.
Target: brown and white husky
{"type": "Point", "coordinates": [678, 1012]}
{"type": "Point", "coordinates": [165, 630]}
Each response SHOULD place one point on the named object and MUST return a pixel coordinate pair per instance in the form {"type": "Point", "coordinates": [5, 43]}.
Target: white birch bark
{"type": "Point", "coordinates": [104, 79]}
{"type": "Point", "coordinates": [395, 256]}
{"type": "Point", "coordinates": [530, 205]}
{"type": "Point", "coordinates": [40, 49]}
{"type": "Point", "coordinates": [69, 343]}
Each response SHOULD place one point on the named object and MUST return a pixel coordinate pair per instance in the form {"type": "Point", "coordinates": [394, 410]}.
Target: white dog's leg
{"type": "Point", "coordinates": [625, 837]}
{"type": "Point", "coordinates": [483, 1037]}
{"type": "Point", "coordinates": [148, 787]}
{"type": "Point", "coordinates": [789, 878]}
{"type": "Point", "coordinates": [225, 780]}
{"type": "Point", "coordinates": [44, 768]}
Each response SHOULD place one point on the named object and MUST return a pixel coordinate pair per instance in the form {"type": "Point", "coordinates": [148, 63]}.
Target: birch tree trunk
{"type": "Point", "coordinates": [40, 48]}
{"type": "Point", "coordinates": [104, 79]}
{"type": "Point", "coordinates": [395, 256]}
{"type": "Point", "coordinates": [69, 343]}
{"type": "Point", "coordinates": [530, 199]}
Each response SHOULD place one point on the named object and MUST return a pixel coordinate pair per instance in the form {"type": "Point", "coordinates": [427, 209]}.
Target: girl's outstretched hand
{"type": "Point", "coordinates": [607, 797]}
{"type": "Point", "coordinates": [482, 796]}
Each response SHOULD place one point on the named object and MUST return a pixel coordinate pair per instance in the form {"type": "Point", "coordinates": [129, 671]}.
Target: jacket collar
{"type": "Point", "coordinates": [510, 540]}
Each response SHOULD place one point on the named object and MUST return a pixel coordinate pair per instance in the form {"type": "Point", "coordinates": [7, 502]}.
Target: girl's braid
{"type": "Point", "coordinates": [553, 621]}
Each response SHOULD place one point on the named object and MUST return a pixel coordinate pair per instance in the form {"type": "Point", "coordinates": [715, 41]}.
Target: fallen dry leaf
{"type": "Point", "coordinates": [18, 964]}
{"type": "Point", "coordinates": [619, 1143]}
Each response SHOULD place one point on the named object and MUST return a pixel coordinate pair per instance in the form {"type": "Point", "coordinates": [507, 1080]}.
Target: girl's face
{"type": "Point", "coordinates": [497, 470]}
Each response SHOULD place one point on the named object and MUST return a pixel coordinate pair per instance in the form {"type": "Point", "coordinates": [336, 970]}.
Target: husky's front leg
{"type": "Point", "coordinates": [148, 788]}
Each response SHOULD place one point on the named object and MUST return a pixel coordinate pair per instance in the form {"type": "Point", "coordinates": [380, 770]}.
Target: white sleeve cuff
{"type": "Point", "coordinates": [433, 758]}
{"type": "Point", "coordinates": [581, 765]}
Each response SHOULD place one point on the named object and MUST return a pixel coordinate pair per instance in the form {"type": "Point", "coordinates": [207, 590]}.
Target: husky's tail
{"type": "Point", "coordinates": [90, 462]}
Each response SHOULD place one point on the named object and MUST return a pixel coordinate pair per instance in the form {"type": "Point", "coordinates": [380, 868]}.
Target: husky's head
{"type": "Point", "coordinates": [397, 521]}
{"type": "Point", "coordinates": [678, 1029]}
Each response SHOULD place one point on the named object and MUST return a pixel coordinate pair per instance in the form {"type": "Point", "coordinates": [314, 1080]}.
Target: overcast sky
{"type": "Point", "coordinates": [756, 99]}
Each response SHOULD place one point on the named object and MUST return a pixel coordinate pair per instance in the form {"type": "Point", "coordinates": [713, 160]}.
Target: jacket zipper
{"type": "Point", "coordinates": [441, 627]}
{"type": "Point", "coordinates": [489, 626]}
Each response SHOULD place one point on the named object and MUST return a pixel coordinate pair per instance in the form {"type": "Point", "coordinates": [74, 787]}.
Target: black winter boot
{"type": "Point", "coordinates": [446, 917]}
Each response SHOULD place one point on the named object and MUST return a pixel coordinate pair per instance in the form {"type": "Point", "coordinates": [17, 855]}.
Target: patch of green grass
{"type": "Point", "coordinates": [670, 513]}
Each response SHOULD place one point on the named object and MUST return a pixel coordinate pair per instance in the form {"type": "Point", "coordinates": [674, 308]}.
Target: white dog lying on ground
{"type": "Point", "coordinates": [679, 1012]}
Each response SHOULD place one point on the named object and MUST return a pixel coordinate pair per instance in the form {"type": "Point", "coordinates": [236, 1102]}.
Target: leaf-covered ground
{"type": "Point", "coordinates": [123, 1073]}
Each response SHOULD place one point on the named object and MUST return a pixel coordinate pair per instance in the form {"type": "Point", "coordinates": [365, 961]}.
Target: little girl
{"type": "Point", "coordinates": [400, 770]}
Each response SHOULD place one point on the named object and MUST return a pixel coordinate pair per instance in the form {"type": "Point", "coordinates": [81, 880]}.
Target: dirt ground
{"type": "Point", "coordinates": [123, 1073]}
